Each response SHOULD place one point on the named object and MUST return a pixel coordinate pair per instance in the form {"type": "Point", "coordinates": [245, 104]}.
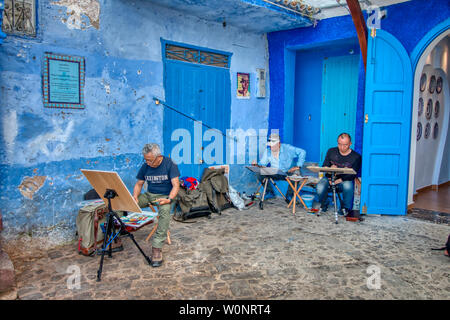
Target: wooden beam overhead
{"type": "Point", "coordinates": [360, 25]}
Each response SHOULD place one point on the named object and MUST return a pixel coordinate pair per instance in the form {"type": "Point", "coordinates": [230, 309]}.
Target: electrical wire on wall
{"type": "Point", "coordinates": [159, 102]}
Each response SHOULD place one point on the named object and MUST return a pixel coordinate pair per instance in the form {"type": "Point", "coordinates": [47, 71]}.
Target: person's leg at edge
{"type": "Point", "coordinates": [347, 194]}
{"type": "Point", "coordinates": [322, 193]}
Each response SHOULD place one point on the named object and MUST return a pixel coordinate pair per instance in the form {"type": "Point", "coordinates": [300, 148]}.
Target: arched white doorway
{"type": "Point", "coordinates": [428, 154]}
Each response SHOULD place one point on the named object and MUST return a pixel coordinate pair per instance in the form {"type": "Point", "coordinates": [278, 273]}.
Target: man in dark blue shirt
{"type": "Point", "coordinates": [162, 177]}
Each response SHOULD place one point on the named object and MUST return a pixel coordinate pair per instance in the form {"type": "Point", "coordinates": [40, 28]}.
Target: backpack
{"type": "Point", "coordinates": [193, 203]}
{"type": "Point", "coordinates": [88, 227]}
{"type": "Point", "coordinates": [215, 185]}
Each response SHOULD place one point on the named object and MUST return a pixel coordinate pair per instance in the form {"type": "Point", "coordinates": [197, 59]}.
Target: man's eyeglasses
{"type": "Point", "coordinates": [150, 162]}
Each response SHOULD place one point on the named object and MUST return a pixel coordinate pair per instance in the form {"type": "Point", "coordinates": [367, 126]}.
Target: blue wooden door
{"type": "Point", "coordinates": [386, 127]}
{"type": "Point", "coordinates": [339, 95]}
{"type": "Point", "coordinates": [202, 93]}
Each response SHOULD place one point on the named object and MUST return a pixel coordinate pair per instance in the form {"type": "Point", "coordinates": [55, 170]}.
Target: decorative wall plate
{"type": "Point", "coordinates": [432, 85]}
{"type": "Point", "coordinates": [419, 130]}
{"type": "Point", "coordinates": [420, 107]}
{"type": "Point", "coordinates": [427, 130]}
{"type": "Point", "coordinates": [439, 85]}
{"type": "Point", "coordinates": [435, 130]}
{"type": "Point", "coordinates": [429, 110]}
{"type": "Point", "coordinates": [437, 106]}
{"type": "Point", "coordinates": [423, 82]}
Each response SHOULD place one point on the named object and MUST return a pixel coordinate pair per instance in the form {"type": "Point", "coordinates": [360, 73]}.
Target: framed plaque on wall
{"type": "Point", "coordinates": [63, 81]}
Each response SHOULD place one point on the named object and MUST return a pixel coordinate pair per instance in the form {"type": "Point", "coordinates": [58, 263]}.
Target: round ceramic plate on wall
{"type": "Point", "coordinates": [423, 82]}
{"type": "Point", "coordinates": [437, 106]}
{"type": "Point", "coordinates": [432, 85]}
{"type": "Point", "coordinates": [435, 130]}
{"type": "Point", "coordinates": [439, 85]}
{"type": "Point", "coordinates": [420, 107]}
{"type": "Point", "coordinates": [429, 110]}
{"type": "Point", "coordinates": [419, 130]}
{"type": "Point", "coordinates": [427, 130]}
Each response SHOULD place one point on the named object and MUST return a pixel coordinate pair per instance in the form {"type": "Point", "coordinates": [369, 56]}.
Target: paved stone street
{"type": "Point", "coordinates": [256, 254]}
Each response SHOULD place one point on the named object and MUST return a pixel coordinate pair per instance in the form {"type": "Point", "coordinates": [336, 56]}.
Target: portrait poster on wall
{"type": "Point", "coordinates": [63, 81]}
{"type": "Point", "coordinates": [243, 85]}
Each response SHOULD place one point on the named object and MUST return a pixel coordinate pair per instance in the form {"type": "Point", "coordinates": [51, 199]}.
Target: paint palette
{"type": "Point", "coordinates": [137, 219]}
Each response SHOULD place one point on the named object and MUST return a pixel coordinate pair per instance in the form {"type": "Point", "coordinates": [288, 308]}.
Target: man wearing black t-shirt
{"type": "Point", "coordinates": [340, 157]}
{"type": "Point", "coordinates": [161, 175]}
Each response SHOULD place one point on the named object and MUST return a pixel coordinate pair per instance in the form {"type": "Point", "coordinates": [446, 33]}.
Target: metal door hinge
{"type": "Point", "coordinates": [366, 118]}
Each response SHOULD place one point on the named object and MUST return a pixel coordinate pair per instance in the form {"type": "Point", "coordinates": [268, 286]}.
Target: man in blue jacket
{"type": "Point", "coordinates": [285, 157]}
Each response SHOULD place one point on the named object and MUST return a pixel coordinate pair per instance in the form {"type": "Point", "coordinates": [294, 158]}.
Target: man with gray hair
{"type": "Point", "coordinates": [162, 177]}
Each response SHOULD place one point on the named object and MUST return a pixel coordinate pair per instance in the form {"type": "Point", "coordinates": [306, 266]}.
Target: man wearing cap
{"type": "Point", "coordinates": [283, 156]}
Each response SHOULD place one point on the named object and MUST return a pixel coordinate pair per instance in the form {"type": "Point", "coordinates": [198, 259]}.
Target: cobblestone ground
{"type": "Point", "coordinates": [257, 254]}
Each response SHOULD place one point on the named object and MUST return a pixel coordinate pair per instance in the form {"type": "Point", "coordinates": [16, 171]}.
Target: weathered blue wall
{"type": "Point", "coordinates": [42, 150]}
{"type": "Point", "coordinates": [408, 22]}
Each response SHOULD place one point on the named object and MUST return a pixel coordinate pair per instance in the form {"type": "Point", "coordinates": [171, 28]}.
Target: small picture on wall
{"type": "Point", "coordinates": [437, 106]}
{"type": "Point", "coordinates": [420, 107]}
{"type": "Point", "coordinates": [423, 82]}
{"type": "Point", "coordinates": [432, 85]}
{"type": "Point", "coordinates": [427, 130]}
{"type": "Point", "coordinates": [419, 130]}
{"type": "Point", "coordinates": [439, 85]}
{"type": "Point", "coordinates": [243, 85]}
{"type": "Point", "coordinates": [429, 110]}
{"type": "Point", "coordinates": [435, 130]}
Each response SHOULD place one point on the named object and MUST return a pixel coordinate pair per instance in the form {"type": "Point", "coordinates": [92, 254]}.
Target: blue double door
{"type": "Point", "coordinates": [194, 133]}
{"type": "Point", "coordinates": [339, 100]}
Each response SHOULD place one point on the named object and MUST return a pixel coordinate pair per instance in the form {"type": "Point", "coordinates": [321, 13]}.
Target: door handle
{"type": "Point", "coordinates": [200, 161]}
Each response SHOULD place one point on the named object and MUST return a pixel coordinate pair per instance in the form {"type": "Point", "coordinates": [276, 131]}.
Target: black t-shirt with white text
{"type": "Point", "coordinates": [158, 179]}
{"type": "Point", "coordinates": [352, 160]}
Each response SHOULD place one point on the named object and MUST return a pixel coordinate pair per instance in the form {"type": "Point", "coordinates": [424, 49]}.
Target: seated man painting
{"type": "Point", "coordinates": [162, 177]}
{"type": "Point", "coordinates": [283, 156]}
{"type": "Point", "coordinates": [341, 156]}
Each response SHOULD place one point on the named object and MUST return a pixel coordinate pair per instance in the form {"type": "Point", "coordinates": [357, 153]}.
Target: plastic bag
{"type": "Point", "coordinates": [238, 202]}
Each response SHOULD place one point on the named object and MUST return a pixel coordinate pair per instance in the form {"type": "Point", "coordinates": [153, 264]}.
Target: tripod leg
{"type": "Point", "coordinates": [333, 186]}
{"type": "Point", "coordinates": [107, 235]}
{"type": "Point", "coordinates": [273, 182]}
{"type": "Point", "coordinates": [334, 200]}
{"type": "Point", "coordinates": [266, 180]}
{"type": "Point", "coordinates": [143, 253]}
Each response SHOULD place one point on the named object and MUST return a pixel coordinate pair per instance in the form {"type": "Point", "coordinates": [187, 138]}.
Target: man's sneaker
{"type": "Point", "coordinates": [156, 259]}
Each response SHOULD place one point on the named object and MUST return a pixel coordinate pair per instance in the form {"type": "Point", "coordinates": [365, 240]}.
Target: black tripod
{"type": "Point", "coordinates": [110, 194]}
{"type": "Point", "coordinates": [333, 186]}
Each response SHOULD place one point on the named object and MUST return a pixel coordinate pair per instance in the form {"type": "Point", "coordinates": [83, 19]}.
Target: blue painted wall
{"type": "Point", "coordinates": [308, 94]}
{"type": "Point", "coordinates": [408, 22]}
{"type": "Point", "coordinates": [42, 150]}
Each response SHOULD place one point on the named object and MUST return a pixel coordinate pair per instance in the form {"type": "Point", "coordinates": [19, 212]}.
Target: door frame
{"type": "Point", "coordinates": [164, 42]}
{"type": "Point", "coordinates": [418, 57]}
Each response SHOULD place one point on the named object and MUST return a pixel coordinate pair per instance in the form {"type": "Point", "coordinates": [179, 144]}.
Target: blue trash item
{"type": "Point", "coordinates": [308, 200]}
